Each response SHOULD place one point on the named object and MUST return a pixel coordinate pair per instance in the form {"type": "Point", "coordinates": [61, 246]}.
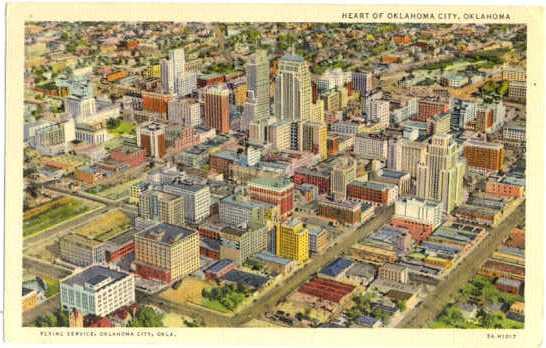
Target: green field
{"type": "Point", "coordinates": [113, 192]}
{"type": "Point", "coordinates": [214, 305]}
{"type": "Point", "coordinates": [52, 286]}
{"type": "Point", "coordinates": [58, 214]}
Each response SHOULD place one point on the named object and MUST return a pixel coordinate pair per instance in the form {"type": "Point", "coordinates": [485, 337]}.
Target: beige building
{"type": "Point", "coordinates": [343, 172]}
{"type": "Point", "coordinates": [279, 135]}
{"type": "Point", "coordinates": [315, 138]}
{"type": "Point", "coordinates": [394, 273]}
{"type": "Point", "coordinates": [81, 251]}
{"type": "Point", "coordinates": [166, 252]}
{"type": "Point", "coordinates": [411, 153]}
{"type": "Point", "coordinates": [162, 207]}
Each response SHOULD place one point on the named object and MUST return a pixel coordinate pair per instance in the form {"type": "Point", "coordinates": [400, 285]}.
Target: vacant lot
{"type": "Point", "coordinates": [113, 192]}
{"type": "Point", "coordinates": [189, 291]}
{"type": "Point", "coordinates": [106, 226]}
{"type": "Point", "coordinates": [52, 213]}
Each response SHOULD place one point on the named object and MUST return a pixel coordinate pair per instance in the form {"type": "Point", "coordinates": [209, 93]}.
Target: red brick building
{"type": "Point", "coordinates": [345, 212]}
{"type": "Point", "coordinates": [277, 191]}
{"type": "Point", "coordinates": [312, 177]}
{"type": "Point", "coordinates": [419, 231]}
{"type": "Point", "coordinates": [129, 155]}
{"type": "Point", "coordinates": [217, 109]}
{"type": "Point", "coordinates": [427, 109]}
{"type": "Point", "coordinates": [374, 192]}
{"type": "Point", "coordinates": [156, 102]}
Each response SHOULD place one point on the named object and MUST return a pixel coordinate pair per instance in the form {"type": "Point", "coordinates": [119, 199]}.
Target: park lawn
{"type": "Point", "coordinates": [124, 127]}
{"type": "Point", "coordinates": [70, 208]}
{"type": "Point", "coordinates": [214, 305]}
{"type": "Point", "coordinates": [52, 286]}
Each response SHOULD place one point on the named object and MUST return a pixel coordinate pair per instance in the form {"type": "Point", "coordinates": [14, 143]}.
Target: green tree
{"type": "Point", "coordinates": [146, 317]}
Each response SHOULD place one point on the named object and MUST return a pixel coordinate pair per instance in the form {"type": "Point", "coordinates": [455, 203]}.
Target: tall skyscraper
{"type": "Point", "coordinates": [172, 70]}
{"type": "Point", "coordinates": [256, 109]}
{"type": "Point", "coordinates": [167, 76]}
{"type": "Point", "coordinates": [217, 108]}
{"type": "Point", "coordinates": [257, 77]}
{"type": "Point", "coordinates": [440, 177]}
{"type": "Point", "coordinates": [362, 82]}
{"type": "Point", "coordinates": [293, 90]}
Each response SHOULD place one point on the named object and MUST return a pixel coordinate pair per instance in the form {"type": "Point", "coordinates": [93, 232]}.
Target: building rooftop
{"type": "Point", "coordinates": [95, 275]}
{"type": "Point", "coordinates": [219, 265]}
{"type": "Point", "coordinates": [246, 279]}
{"type": "Point", "coordinates": [336, 267]}
{"type": "Point", "coordinates": [270, 257]}
{"type": "Point", "coordinates": [272, 182]}
{"type": "Point", "coordinates": [166, 233]}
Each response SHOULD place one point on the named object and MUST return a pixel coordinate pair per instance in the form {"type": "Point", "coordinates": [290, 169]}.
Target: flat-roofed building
{"type": "Point", "coordinates": [373, 192]}
{"type": "Point", "coordinates": [97, 290]}
{"type": "Point", "coordinates": [166, 252]}
{"type": "Point", "coordinates": [81, 251]}
{"type": "Point", "coordinates": [393, 272]}
{"type": "Point", "coordinates": [238, 244]}
{"type": "Point", "coordinates": [345, 212]}
{"type": "Point", "coordinates": [484, 155]}
{"type": "Point", "coordinates": [277, 191]}
{"type": "Point", "coordinates": [162, 207]}
{"type": "Point", "coordinates": [292, 240]}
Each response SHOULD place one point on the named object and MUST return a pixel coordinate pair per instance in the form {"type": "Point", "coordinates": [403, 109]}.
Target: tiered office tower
{"type": "Point", "coordinates": [293, 90]}
{"type": "Point", "coordinates": [440, 177]}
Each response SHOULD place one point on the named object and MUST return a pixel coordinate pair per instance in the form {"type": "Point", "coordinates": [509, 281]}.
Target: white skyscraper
{"type": "Point", "coordinates": [167, 76]}
{"type": "Point", "coordinates": [440, 177]}
{"type": "Point", "coordinates": [172, 69]}
{"type": "Point", "coordinates": [293, 90]}
{"type": "Point", "coordinates": [256, 109]}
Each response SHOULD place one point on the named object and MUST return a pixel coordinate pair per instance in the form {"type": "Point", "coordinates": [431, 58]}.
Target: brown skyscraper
{"type": "Point", "coordinates": [151, 137]}
{"type": "Point", "coordinates": [217, 108]}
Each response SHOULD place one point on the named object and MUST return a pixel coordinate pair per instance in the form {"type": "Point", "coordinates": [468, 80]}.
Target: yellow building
{"type": "Point", "coordinates": [292, 240]}
{"type": "Point", "coordinates": [153, 71]}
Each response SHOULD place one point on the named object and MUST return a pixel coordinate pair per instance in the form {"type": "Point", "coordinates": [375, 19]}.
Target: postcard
{"type": "Point", "coordinates": [299, 174]}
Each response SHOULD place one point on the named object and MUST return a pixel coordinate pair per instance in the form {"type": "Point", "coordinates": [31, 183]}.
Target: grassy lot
{"type": "Point", "coordinates": [124, 127]}
{"type": "Point", "coordinates": [52, 213]}
{"type": "Point", "coordinates": [106, 226]}
{"type": "Point", "coordinates": [52, 286]}
{"type": "Point", "coordinates": [214, 305]}
{"type": "Point", "coordinates": [113, 192]}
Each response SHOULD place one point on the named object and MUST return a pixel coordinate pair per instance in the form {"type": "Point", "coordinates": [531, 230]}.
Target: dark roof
{"type": "Point", "coordinates": [247, 279]}
{"type": "Point", "coordinates": [336, 267]}
{"type": "Point", "coordinates": [166, 233]}
{"type": "Point", "coordinates": [219, 265]}
{"type": "Point", "coordinates": [366, 321]}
